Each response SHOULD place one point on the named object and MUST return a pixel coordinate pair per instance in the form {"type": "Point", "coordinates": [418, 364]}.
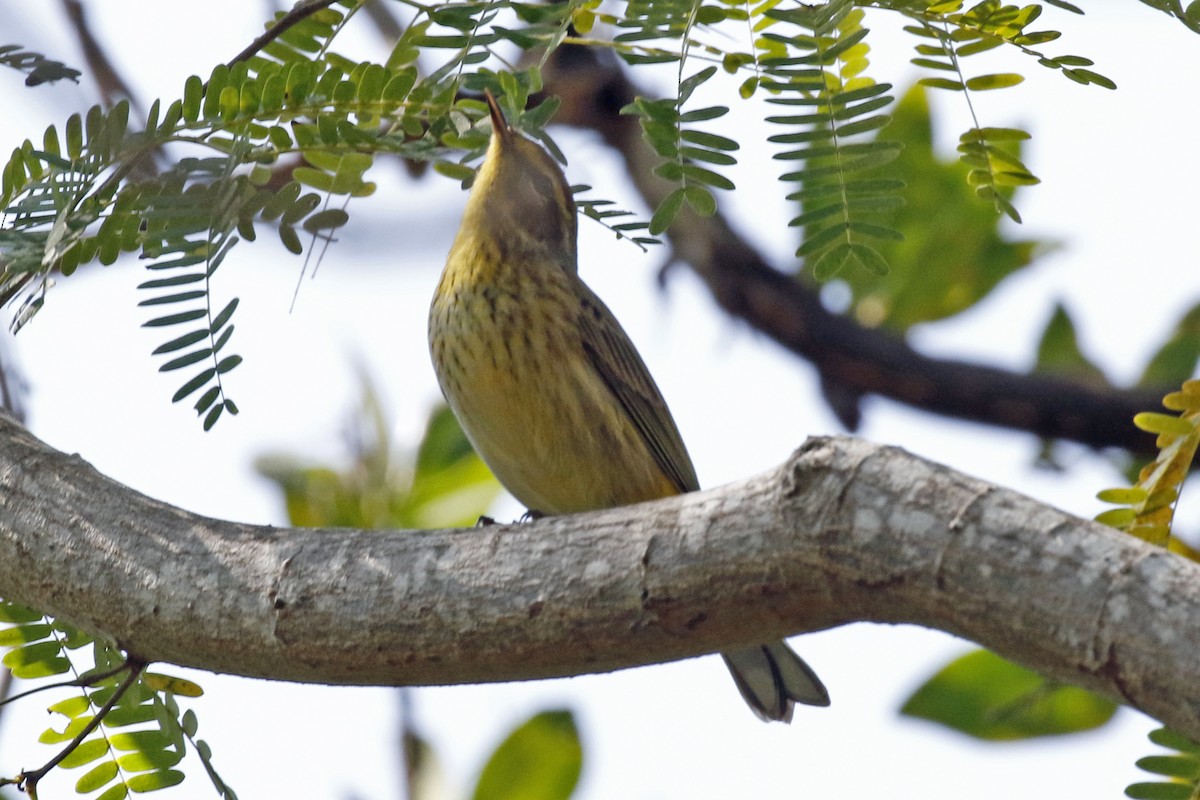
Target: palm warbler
{"type": "Point", "coordinates": [547, 385]}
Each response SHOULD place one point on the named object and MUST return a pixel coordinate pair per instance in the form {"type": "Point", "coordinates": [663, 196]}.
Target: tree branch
{"type": "Point", "coordinates": [299, 12]}
{"type": "Point", "coordinates": [853, 361]}
{"type": "Point", "coordinates": [845, 531]}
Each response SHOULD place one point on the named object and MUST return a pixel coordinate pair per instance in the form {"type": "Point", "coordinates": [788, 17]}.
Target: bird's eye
{"type": "Point", "coordinates": [542, 185]}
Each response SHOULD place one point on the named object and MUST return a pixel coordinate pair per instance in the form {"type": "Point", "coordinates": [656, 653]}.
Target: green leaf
{"type": "Point", "coordinates": [207, 399]}
{"type": "Point", "coordinates": [96, 777]}
{"type": "Point", "coordinates": [709, 140]}
{"type": "Point", "coordinates": [1128, 495]}
{"type": "Point", "coordinates": [176, 319]}
{"type": "Point", "coordinates": [189, 723]}
{"type": "Point", "coordinates": [540, 760]}
{"type": "Point", "coordinates": [984, 83]}
{"type": "Point", "coordinates": [223, 317]}
{"type": "Point", "coordinates": [1185, 767]}
{"type": "Point", "coordinates": [1117, 517]}
{"type": "Point", "coordinates": [287, 235]}
{"type": "Point", "coordinates": [194, 384]}
{"type": "Point", "coordinates": [124, 715]}
{"type": "Point", "coordinates": [23, 634]}
{"type": "Point", "coordinates": [227, 364]}
{"type": "Point", "coordinates": [118, 792]}
{"type": "Point", "coordinates": [987, 697]}
{"type": "Point", "coordinates": [212, 416]}
{"type": "Point", "coordinates": [1177, 357]}
{"type": "Point", "coordinates": [326, 220]}
{"type": "Point", "coordinates": [150, 759]}
{"type": "Point", "coordinates": [16, 613]}
{"type": "Point", "coordinates": [688, 85]}
{"type": "Point", "coordinates": [701, 200]}
{"type": "Point", "coordinates": [708, 177]}
{"type": "Point", "coordinates": [667, 210]}
{"type": "Point", "coordinates": [941, 83]}
{"type": "Point", "coordinates": [321, 181]}
{"type": "Point", "coordinates": [170, 683]}
{"type": "Point", "coordinates": [181, 342]}
{"type": "Point", "coordinates": [703, 114]}
{"type": "Point", "coordinates": [831, 262]}
{"type": "Point", "coordinates": [1153, 791]}
{"type": "Point", "coordinates": [37, 660]}
{"type": "Point", "coordinates": [1163, 424]}
{"type": "Point", "coordinates": [85, 753]}
{"type": "Point", "coordinates": [173, 298]}
{"type": "Point", "coordinates": [281, 201]}
{"type": "Point", "coordinates": [72, 707]}
{"type": "Point", "coordinates": [151, 739]}
{"type": "Point", "coordinates": [869, 258]}
{"type": "Point", "coordinates": [73, 729]}
{"type": "Point", "coordinates": [174, 280]}
{"type": "Point", "coordinates": [1059, 352]}
{"type": "Point", "coordinates": [152, 781]}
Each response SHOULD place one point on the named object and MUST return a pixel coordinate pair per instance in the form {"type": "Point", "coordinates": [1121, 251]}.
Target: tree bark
{"type": "Point", "coordinates": [844, 531]}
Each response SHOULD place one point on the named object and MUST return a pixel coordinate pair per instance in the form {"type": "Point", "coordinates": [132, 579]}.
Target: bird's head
{"type": "Point", "coordinates": [520, 192]}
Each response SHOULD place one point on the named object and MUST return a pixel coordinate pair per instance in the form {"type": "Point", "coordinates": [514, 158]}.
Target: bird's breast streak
{"type": "Point", "coordinates": [536, 411]}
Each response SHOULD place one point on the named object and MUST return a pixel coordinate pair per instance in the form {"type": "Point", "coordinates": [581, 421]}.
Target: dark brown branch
{"type": "Point", "coordinates": [853, 361]}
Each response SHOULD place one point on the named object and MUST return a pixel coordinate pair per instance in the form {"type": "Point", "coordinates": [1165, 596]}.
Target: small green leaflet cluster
{"type": "Point", "coordinates": [39, 69]}
{"type": "Point", "coordinates": [824, 63]}
{"type": "Point", "coordinates": [685, 149]}
{"type": "Point", "coordinates": [84, 195]}
{"type": "Point", "coordinates": [950, 35]}
{"type": "Point", "coordinates": [1189, 16]}
{"type": "Point", "coordinates": [37, 646]}
{"type": "Point", "coordinates": [649, 21]}
{"type": "Point", "coordinates": [514, 90]}
{"type": "Point", "coordinates": [810, 58]}
{"type": "Point", "coordinates": [663, 121]}
{"type": "Point", "coordinates": [1147, 509]}
{"type": "Point", "coordinates": [1181, 769]}
{"type": "Point", "coordinates": [600, 211]}
{"type": "Point", "coordinates": [187, 241]}
{"type": "Point", "coordinates": [51, 195]}
{"type": "Point", "coordinates": [814, 66]}
{"type": "Point", "coordinates": [123, 724]}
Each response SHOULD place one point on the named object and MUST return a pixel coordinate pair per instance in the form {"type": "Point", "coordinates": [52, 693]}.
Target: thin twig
{"type": "Point", "coordinates": [29, 780]}
{"type": "Point", "coordinates": [299, 13]}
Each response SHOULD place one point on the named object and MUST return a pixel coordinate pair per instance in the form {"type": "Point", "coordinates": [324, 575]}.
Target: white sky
{"type": "Point", "coordinates": [1118, 174]}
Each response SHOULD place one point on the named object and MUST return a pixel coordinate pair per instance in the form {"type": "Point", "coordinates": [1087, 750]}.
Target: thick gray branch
{"type": "Point", "coordinates": [845, 531]}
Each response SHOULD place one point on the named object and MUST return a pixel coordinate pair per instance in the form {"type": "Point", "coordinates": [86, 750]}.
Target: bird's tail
{"type": "Point", "coordinates": [772, 679]}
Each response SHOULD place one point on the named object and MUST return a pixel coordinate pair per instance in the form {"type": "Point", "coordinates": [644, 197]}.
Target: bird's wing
{"type": "Point", "coordinates": [625, 374]}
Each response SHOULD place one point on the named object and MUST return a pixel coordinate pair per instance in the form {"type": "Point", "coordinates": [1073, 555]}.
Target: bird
{"type": "Point", "coordinates": [549, 388]}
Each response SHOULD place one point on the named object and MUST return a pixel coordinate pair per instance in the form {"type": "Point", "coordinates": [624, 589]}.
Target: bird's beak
{"type": "Point", "coordinates": [499, 125]}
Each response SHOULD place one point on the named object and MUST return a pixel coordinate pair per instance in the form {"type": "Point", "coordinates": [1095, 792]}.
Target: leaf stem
{"type": "Point", "coordinates": [292, 18]}
{"type": "Point", "coordinates": [28, 781]}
